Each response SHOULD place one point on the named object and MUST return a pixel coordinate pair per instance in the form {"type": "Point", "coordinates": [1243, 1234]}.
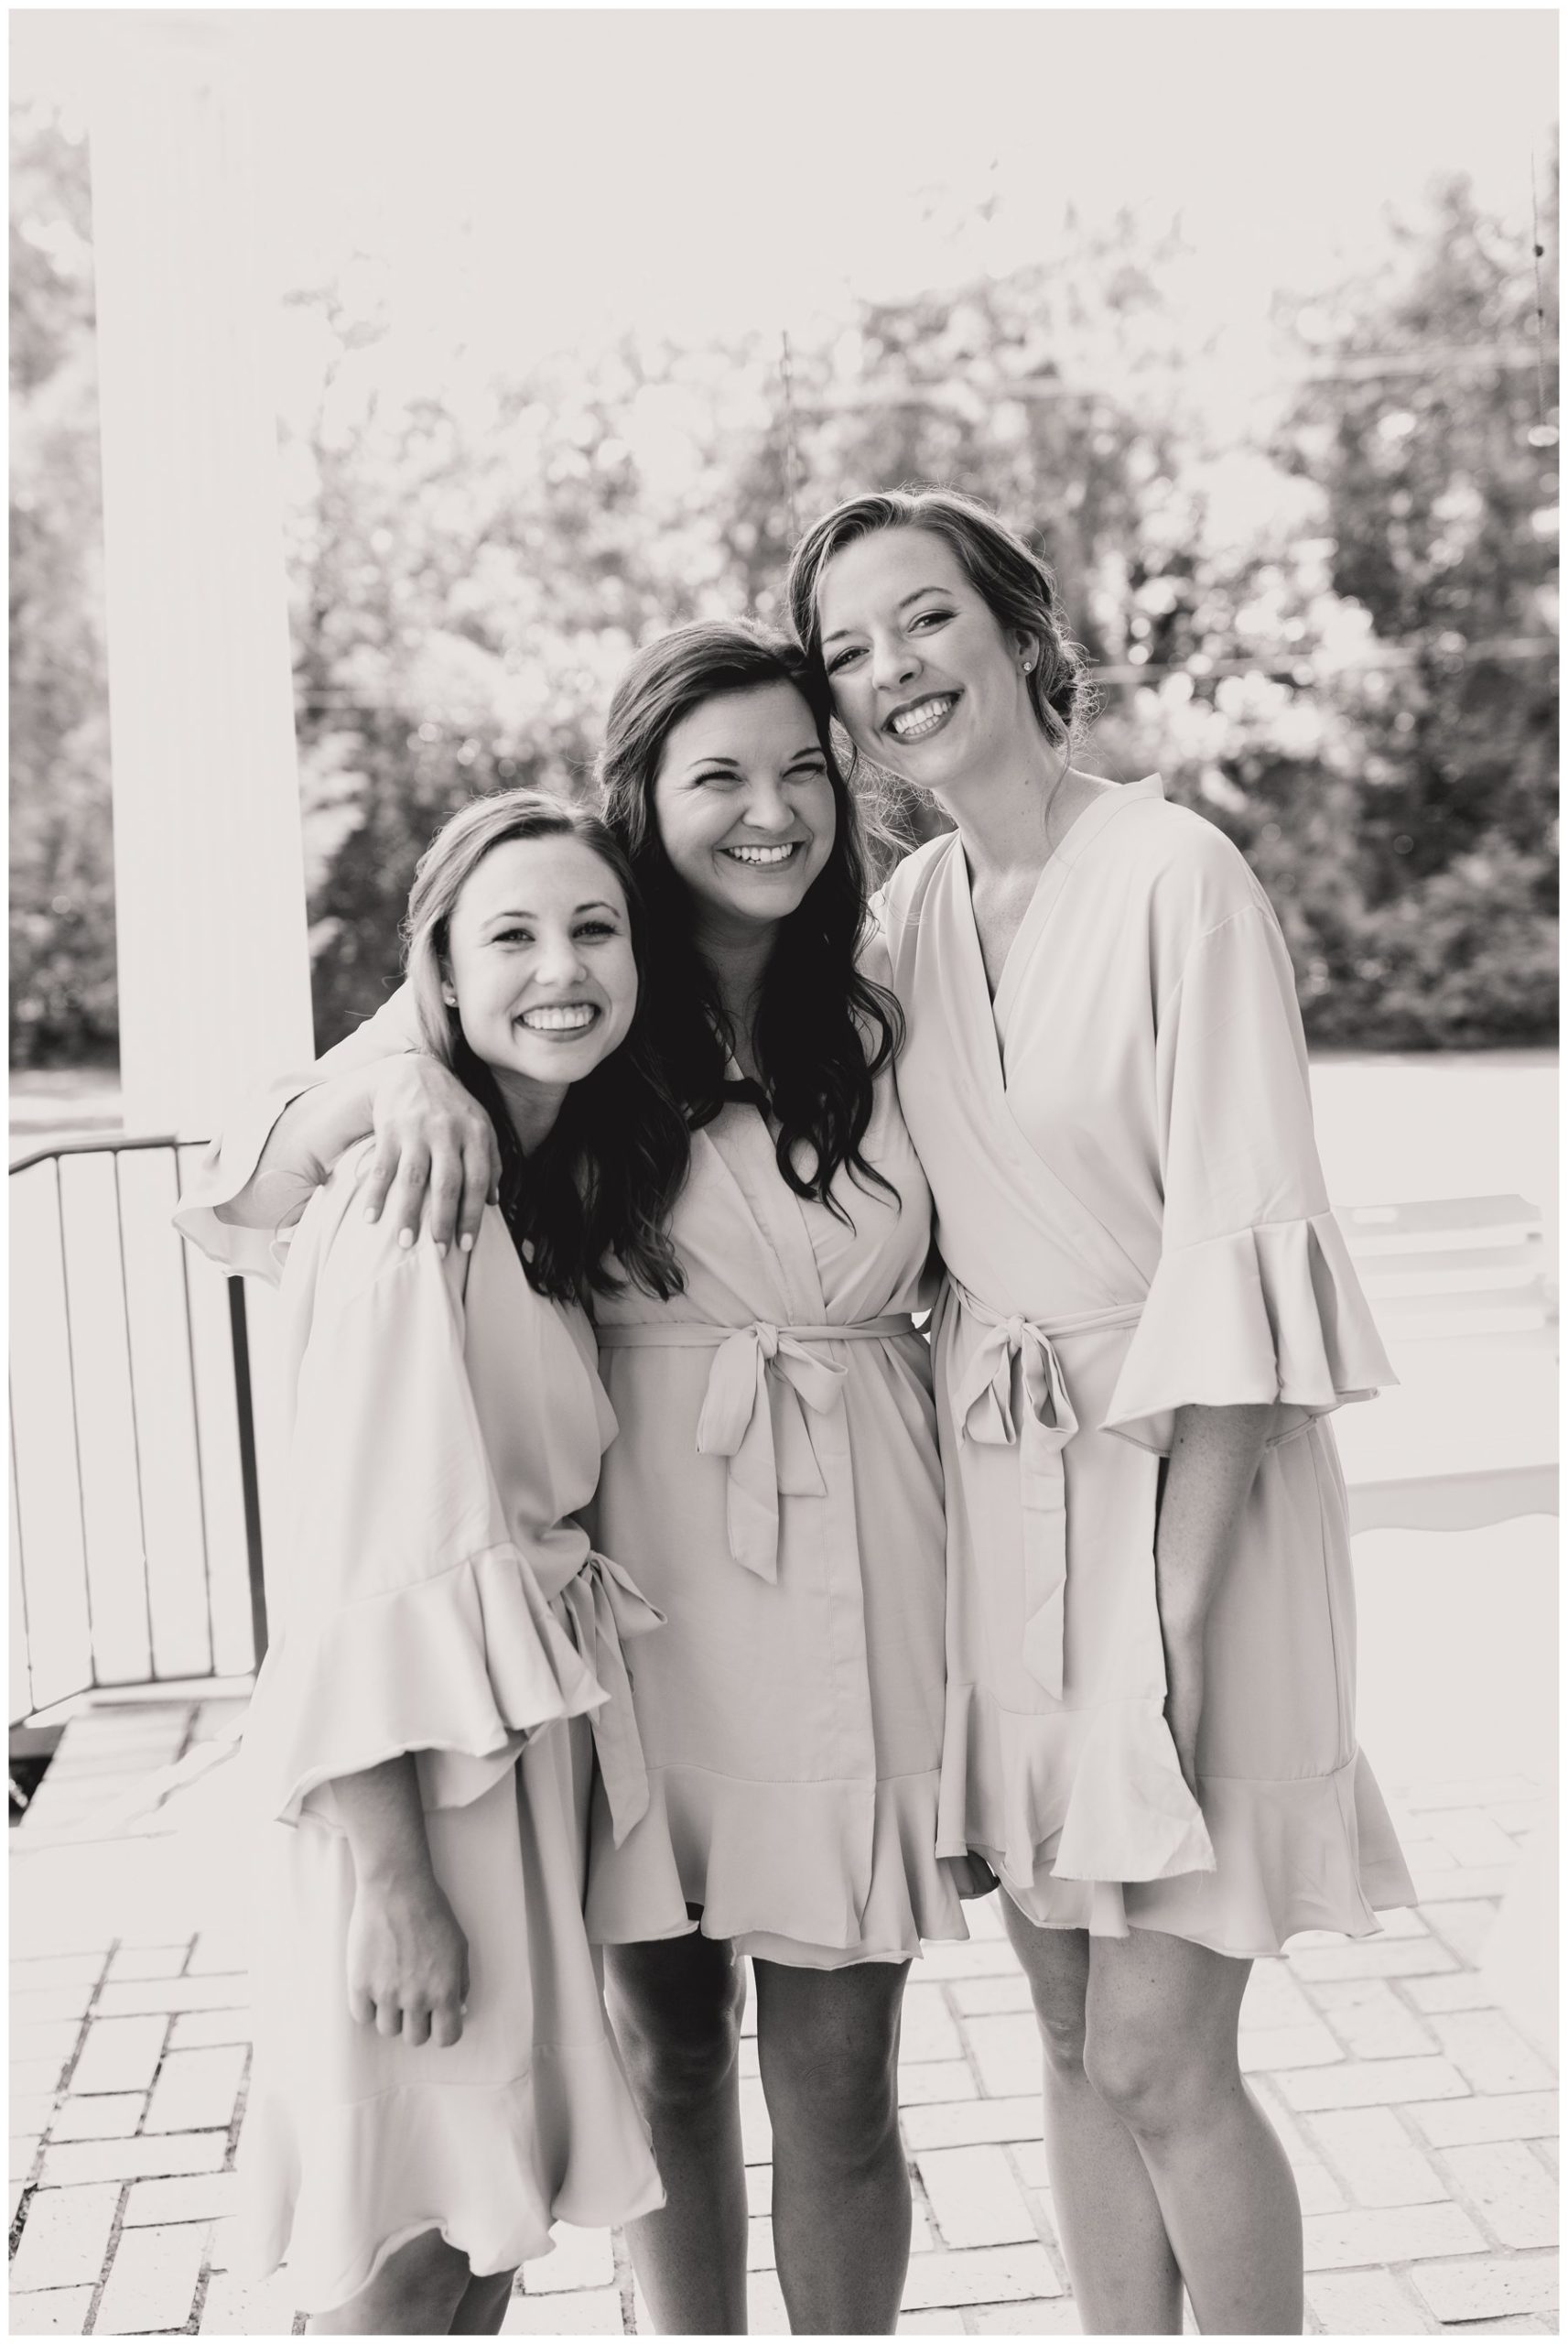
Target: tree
{"type": "Point", "coordinates": [62, 927]}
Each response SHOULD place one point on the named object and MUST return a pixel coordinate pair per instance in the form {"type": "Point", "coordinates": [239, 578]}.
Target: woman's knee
{"type": "Point", "coordinates": [1157, 2081]}
{"type": "Point", "coordinates": [678, 2019]}
{"type": "Point", "coordinates": [828, 2061]}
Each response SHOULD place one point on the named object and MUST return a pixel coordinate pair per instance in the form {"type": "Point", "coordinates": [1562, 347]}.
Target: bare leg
{"type": "Point", "coordinates": [1163, 2015]}
{"type": "Point", "coordinates": [483, 2305]}
{"type": "Point", "coordinates": [415, 2292]}
{"type": "Point", "coordinates": [676, 2007]}
{"type": "Point", "coordinates": [1125, 2279]}
{"type": "Point", "coordinates": [828, 2047]}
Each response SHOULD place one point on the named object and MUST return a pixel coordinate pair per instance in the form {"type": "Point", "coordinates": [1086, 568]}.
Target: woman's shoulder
{"type": "Point", "coordinates": [343, 1255]}
{"type": "Point", "coordinates": [1195, 876]}
{"type": "Point", "coordinates": [899, 900]}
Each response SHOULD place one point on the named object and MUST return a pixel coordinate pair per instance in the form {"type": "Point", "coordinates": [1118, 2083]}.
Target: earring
{"type": "Point", "coordinates": [449, 998]}
{"type": "Point", "coordinates": [1028, 667]}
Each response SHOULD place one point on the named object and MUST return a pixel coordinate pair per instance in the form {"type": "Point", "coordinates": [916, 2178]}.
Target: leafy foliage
{"type": "Point", "coordinates": [62, 927]}
{"type": "Point", "coordinates": [1324, 622]}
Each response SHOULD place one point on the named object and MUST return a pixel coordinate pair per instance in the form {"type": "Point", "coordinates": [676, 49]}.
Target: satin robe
{"type": "Point", "coordinates": [437, 1598]}
{"type": "Point", "coordinates": [1132, 1217]}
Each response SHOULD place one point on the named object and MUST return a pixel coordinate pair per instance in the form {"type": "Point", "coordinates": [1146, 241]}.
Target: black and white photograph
{"type": "Point", "coordinates": [783, 1235]}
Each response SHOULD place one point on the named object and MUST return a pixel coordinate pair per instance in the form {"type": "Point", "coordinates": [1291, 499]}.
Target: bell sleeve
{"type": "Point", "coordinates": [232, 1157]}
{"type": "Point", "coordinates": [1254, 1298]}
{"type": "Point", "coordinates": [412, 1620]}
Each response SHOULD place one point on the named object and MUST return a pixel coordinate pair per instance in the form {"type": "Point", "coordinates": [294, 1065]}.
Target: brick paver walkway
{"type": "Point", "coordinates": [1421, 2125]}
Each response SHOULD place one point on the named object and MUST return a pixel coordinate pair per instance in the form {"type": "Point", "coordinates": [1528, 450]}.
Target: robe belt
{"type": "Point", "coordinates": [602, 1609]}
{"type": "Point", "coordinates": [762, 1380]}
{"type": "Point", "coordinates": [982, 1401]}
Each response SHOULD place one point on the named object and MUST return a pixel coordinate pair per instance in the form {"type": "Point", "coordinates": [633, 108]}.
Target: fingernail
{"type": "Point", "coordinates": [370, 1212]}
{"type": "Point", "coordinates": [466, 1243]}
{"type": "Point", "coordinates": [406, 1237]}
{"type": "Point", "coordinates": [440, 1249]}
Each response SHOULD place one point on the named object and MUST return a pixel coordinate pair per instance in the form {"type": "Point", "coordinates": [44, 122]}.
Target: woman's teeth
{"type": "Point", "coordinates": [913, 723]}
{"type": "Point", "coordinates": [763, 856]}
{"type": "Point", "coordinates": [570, 1018]}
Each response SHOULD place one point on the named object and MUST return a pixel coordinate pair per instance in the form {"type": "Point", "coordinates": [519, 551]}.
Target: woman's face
{"type": "Point", "coordinates": [539, 962]}
{"type": "Point", "coordinates": [745, 807]}
{"type": "Point", "coordinates": [925, 680]}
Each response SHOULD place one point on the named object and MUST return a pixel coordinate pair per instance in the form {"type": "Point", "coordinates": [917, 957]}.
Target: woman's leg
{"type": "Point", "coordinates": [415, 2292]}
{"type": "Point", "coordinates": [483, 2304]}
{"type": "Point", "coordinates": [828, 2047]}
{"type": "Point", "coordinates": [1163, 2015]}
{"type": "Point", "coordinates": [1125, 2279]}
{"type": "Point", "coordinates": [676, 2007]}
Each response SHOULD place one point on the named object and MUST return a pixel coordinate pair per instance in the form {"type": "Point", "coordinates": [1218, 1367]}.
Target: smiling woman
{"type": "Point", "coordinates": [434, 2083]}
{"type": "Point", "coordinates": [774, 1486]}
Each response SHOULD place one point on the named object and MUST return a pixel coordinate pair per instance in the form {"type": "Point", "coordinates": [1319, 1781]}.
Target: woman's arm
{"type": "Point", "coordinates": [433, 1139]}
{"type": "Point", "coordinates": [407, 1959]}
{"type": "Point", "coordinates": [1214, 1461]}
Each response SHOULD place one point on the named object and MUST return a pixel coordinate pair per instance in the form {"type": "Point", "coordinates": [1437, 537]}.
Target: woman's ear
{"type": "Point", "coordinates": [1028, 650]}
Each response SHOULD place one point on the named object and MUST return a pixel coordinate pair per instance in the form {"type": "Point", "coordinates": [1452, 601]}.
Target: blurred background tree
{"type": "Point", "coordinates": [1323, 613]}
{"type": "Point", "coordinates": [62, 875]}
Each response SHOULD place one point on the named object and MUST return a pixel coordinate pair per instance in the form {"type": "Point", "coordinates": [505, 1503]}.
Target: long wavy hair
{"type": "Point", "coordinates": [1017, 586]}
{"type": "Point", "coordinates": [823, 1031]}
{"type": "Point", "coordinates": [603, 1181]}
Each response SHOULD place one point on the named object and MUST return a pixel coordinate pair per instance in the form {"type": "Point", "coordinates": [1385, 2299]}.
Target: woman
{"type": "Point", "coordinates": [1148, 1311]}
{"type": "Point", "coordinates": [434, 2083]}
{"type": "Point", "coordinates": [774, 1488]}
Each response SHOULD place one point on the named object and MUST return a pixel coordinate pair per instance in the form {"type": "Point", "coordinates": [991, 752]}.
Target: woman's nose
{"type": "Point", "coordinates": [894, 663]}
{"type": "Point", "coordinates": [559, 960]}
{"type": "Point", "coordinates": [767, 809]}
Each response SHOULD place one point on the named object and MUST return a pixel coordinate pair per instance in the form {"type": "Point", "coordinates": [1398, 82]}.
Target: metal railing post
{"type": "Point", "coordinates": [249, 1480]}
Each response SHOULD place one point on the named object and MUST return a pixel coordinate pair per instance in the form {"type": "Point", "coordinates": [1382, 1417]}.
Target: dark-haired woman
{"type": "Point", "coordinates": [774, 1488]}
{"type": "Point", "coordinates": [1148, 1312]}
{"type": "Point", "coordinates": [433, 2082]}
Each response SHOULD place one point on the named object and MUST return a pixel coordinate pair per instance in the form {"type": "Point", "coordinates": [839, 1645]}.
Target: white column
{"type": "Point", "coordinates": [213, 968]}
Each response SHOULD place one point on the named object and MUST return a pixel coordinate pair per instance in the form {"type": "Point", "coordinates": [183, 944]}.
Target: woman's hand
{"type": "Point", "coordinates": [1214, 1461]}
{"type": "Point", "coordinates": [436, 1142]}
{"type": "Point", "coordinates": [1184, 1700]}
{"type": "Point", "coordinates": [407, 1960]}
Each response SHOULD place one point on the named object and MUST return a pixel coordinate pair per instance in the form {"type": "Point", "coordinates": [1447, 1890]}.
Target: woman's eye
{"type": "Point", "coordinates": [929, 618]}
{"type": "Point", "coordinates": [841, 659]}
{"type": "Point", "coordinates": [512, 936]}
{"type": "Point", "coordinates": [595, 929]}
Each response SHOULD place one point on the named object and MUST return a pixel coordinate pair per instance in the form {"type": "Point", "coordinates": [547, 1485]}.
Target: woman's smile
{"type": "Point", "coordinates": [765, 858]}
{"type": "Point", "coordinates": [917, 720]}
{"type": "Point", "coordinates": [568, 1018]}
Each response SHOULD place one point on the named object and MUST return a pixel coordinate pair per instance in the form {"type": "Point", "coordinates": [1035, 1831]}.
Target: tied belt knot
{"type": "Point", "coordinates": [1040, 1431]}
{"type": "Point", "coordinates": [763, 1379]}
{"type": "Point", "coordinates": [603, 1609]}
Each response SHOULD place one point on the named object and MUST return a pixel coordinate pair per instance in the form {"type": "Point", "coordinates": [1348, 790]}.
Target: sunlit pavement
{"type": "Point", "coordinates": [1420, 2122]}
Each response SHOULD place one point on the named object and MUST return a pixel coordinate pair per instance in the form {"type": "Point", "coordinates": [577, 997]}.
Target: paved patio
{"type": "Point", "coordinates": [1421, 2124]}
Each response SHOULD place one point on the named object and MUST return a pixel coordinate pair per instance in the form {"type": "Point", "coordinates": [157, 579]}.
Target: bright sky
{"type": "Point", "coordinates": [524, 178]}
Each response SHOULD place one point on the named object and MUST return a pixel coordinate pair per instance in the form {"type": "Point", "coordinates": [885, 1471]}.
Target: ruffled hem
{"type": "Point", "coordinates": [816, 1875]}
{"type": "Point", "coordinates": [334, 2188]}
{"type": "Point", "coordinates": [1315, 1851]}
{"type": "Point", "coordinates": [1268, 1314]}
{"type": "Point", "coordinates": [460, 1669]}
{"type": "Point", "coordinates": [1084, 1795]}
